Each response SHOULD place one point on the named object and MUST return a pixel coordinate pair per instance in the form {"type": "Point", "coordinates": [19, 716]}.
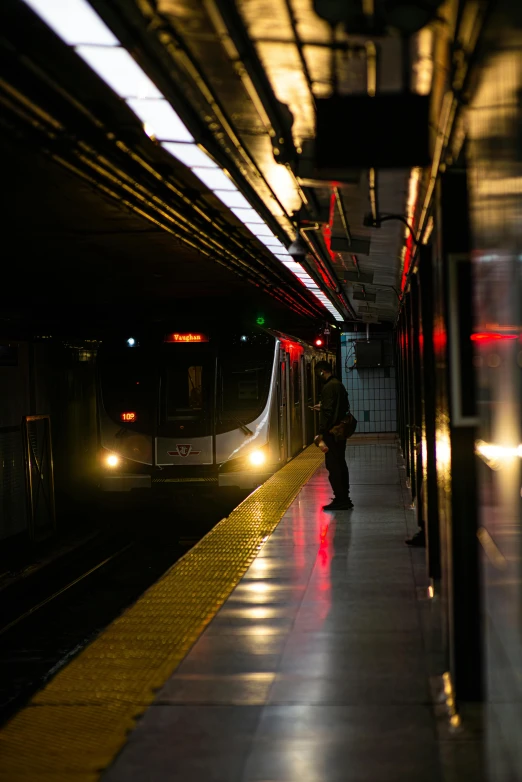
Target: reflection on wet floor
{"type": "Point", "coordinates": [315, 668]}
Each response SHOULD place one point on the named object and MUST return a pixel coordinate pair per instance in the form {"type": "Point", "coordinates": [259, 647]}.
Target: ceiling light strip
{"type": "Point", "coordinates": [79, 26]}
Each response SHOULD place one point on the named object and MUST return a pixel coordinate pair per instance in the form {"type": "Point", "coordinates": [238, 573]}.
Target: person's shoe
{"type": "Point", "coordinates": [418, 540]}
{"type": "Point", "coordinates": [339, 505]}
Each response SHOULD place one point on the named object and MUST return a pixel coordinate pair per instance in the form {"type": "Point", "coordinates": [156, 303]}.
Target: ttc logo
{"type": "Point", "coordinates": [183, 450]}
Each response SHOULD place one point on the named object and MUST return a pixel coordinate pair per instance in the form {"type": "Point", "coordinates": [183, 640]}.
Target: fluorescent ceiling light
{"type": "Point", "coordinates": [160, 118]}
{"type": "Point", "coordinates": [189, 154]}
{"type": "Point", "coordinates": [259, 230]}
{"type": "Point", "coordinates": [232, 198]}
{"type": "Point", "coordinates": [247, 215]}
{"type": "Point", "coordinates": [79, 26]}
{"type": "Point", "coordinates": [74, 21]}
{"type": "Point", "coordinates": [118, 69]}
{"type": "Point", "coordinates": [273, 244]}
{"type": "Point", "coordinates": [214, 178]}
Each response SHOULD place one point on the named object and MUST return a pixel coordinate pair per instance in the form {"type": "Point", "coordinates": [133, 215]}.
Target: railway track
{"type": "Point", "coordinates": [48, 618]}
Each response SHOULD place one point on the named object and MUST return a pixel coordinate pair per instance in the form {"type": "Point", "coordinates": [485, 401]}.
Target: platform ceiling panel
{"type": "Point", "coordinates": [267, 61]}
{"type": "Point", "coordinates": [242, 81]}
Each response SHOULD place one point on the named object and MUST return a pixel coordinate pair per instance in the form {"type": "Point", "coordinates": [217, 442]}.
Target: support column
{"type": "Point", "coordinates": [428, 381]}
{"type": "Point", "coordinates": [465, 600]}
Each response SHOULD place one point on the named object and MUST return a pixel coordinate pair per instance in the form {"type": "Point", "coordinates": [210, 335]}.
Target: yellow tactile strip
{"type": "Point", "coordinates": [74, 727]}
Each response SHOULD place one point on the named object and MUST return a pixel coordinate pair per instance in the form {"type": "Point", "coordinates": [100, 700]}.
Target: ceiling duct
{"type": "Point", "coordinates": [361, 296]}
{"type": "Point", "coordinates": [309, 175]}
{"type": "Point", "coordinates": [381, 17]}
{"type": "Point", "coordinates": [390, 130]}
{"type": "Point", "coordinates": [356, 245]}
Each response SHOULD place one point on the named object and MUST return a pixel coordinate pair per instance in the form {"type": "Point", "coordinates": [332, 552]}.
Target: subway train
{"type": "Point", "coordinates": [223, 408]}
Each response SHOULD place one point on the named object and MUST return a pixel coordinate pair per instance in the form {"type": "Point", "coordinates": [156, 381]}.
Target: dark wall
{"type": "Point", "coordinates": [55, 379]}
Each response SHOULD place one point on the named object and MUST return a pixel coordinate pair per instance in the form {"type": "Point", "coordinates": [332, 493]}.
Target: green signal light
{"type": "Point", "coordinates": [260, 321]}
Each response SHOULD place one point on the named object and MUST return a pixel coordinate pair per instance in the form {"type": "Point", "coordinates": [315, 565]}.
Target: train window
{"type": "Point", "coordinates": [309, 383]}
{"type": "Point", "coordinates": [128, 382]}
{"type": "Point", "coordinates": [295, 382]}
{"type": "Point", "coordinates": [244, 384]}
{"type": "Point", "coordinates": [183, 392]}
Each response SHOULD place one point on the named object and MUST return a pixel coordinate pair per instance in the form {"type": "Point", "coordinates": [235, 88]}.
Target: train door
{"type": "Point", "coordinates": [304, 399]}
{"type": "Point", "coordinates": [288, 407]}
{"type": "Point", "coordinates": [296, 412]}
{"type": "Point", "coordinates": [308, 414]}
{"type": "Point", "coordinates": [315, 397]}
{"type": "Point", "coordinates": [282, 393]}
{"type": "Point", "coordinates": [185, 421]}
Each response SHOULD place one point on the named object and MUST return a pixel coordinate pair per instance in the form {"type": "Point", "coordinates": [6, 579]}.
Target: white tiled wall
{"type": "Point", "coordinates": [371, 391]}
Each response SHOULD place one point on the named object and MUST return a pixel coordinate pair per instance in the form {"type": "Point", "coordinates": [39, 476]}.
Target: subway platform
{"type": "Point", "coordinates": [290, 645]}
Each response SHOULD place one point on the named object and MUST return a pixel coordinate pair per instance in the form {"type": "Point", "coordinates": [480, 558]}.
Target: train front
{"type": "Point", "coordinates": [185, 408]}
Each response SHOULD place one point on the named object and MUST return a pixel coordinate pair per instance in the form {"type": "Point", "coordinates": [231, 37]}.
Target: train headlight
{"type": "Point", "coordinates": [112, 460]}
{"type": "Point", "coordinates": [257, 458]}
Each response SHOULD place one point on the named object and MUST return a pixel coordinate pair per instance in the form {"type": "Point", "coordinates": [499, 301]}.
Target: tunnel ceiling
{"type": "Point", "coordinates": [265, 62]}
{"type": "Point", "coordinates": [136, 224]}
{"type": "Point", "coordinates": [74, 255]}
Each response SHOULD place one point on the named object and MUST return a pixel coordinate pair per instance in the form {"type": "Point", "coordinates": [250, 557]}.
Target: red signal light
{"type": "Point", "coordinates": [318, 342]}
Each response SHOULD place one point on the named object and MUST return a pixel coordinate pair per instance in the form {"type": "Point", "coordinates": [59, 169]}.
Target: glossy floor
{"type": "Point", "coordinates": [315, 669]}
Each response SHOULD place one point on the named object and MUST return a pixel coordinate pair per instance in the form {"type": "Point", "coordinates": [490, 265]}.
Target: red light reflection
{"type": "Point", "coordinates": [489, 336]}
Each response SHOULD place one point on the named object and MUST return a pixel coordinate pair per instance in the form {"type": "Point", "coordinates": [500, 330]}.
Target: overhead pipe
{"type": "Point", "coordinates": [253, 68]}
{"type": "Point", "coordinates": [344, 220]}
{"type": "Point", "coordinates": [228, 23]}
{"type": "Point", "coordinates": [451, 102]}
{"type": "Point", "coordinates": [229, 262]}
{"type": "Point", "coordinates": [173, 46]}
{"type": "Point", "coordinates": [270, 114]}
{"type": "Point", "coordinates": [217, 248]}
{"type": "Point", "coordinates": [342, 213]}
{"type": "Point", "coordinates": [235, 40]}
{"type": "Point", "coordinates": [317, 252]}
{"type": "Point", "coordinates": [117, 186]}
{"type": "Point", "coordinates": [249, 59]}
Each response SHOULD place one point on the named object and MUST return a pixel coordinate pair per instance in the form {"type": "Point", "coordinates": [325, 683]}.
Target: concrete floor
{"type": "Point", "coordinates": [317, 668]}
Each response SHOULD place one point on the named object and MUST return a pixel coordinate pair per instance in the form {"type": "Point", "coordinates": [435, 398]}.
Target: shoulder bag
{"type": "Point", "coordinates": [345, 428]}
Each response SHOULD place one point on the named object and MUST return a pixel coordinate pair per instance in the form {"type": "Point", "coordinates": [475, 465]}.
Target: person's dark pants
{"type": "Point", "coordinates": [335, 461]}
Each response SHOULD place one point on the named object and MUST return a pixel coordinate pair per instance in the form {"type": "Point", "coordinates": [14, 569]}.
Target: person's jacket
{"type": "Point", "coordinates": [334, 404]}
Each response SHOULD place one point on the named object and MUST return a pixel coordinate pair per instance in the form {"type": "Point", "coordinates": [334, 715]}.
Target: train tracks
{"type": "Point", "coordinates": [50, 616]}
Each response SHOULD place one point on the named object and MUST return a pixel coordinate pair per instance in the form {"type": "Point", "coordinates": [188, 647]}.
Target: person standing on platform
{"type": "Point", "coordinates": [333, 408]}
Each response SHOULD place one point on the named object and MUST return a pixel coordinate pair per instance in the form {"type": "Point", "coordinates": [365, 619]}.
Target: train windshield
{"type": "Point", "coordinates": [183, 392]}
{"type": "Point", "coordinates": [128, 380]}
{"type": "Point", "coordinates": [186, 383]}
{"type": "Point", "coordinates": [171, 391]}
{"type": "Point", "coordinates": [244, 383]}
